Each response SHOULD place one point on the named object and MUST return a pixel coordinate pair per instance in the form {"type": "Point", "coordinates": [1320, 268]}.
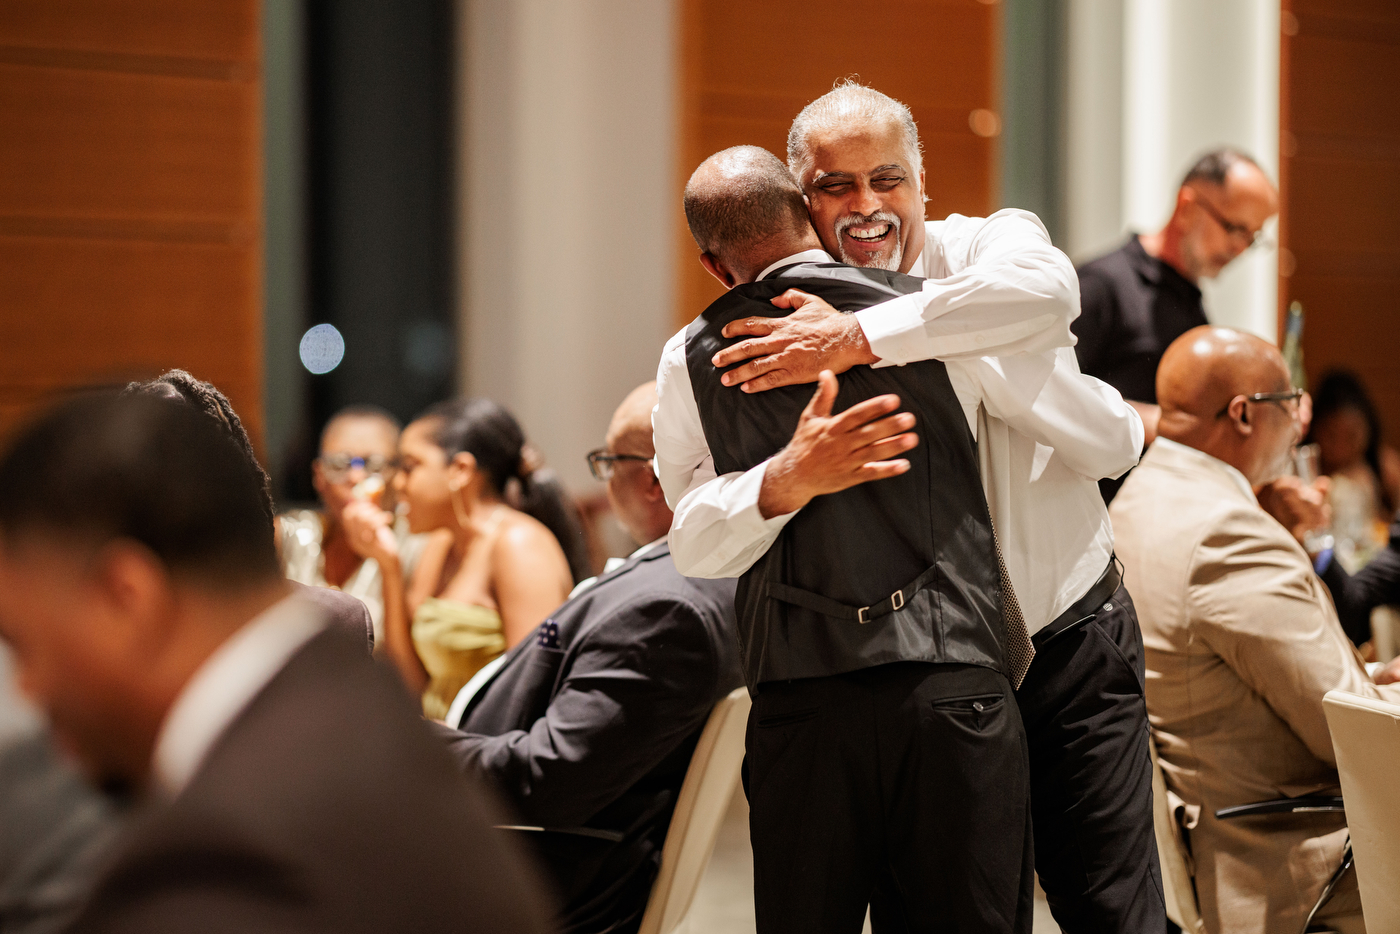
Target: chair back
{"type": "Point", "coordinates": [700, 808]}
{"type": "Point", "coordinates": [1177, 887]}
{"type": "Point", "coordinates": [1366, 739]}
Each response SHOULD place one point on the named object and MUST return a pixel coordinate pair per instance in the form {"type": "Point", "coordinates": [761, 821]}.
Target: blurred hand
{"type": "Point", "coordinates": [829, 453]}
{"type": "Point", "coordinates": [370, 531]}
{"type": "Point", "coordinates": [1299, 508]}
{"type": "Point", "coordinates": [792, 350]}
{"type": "Point", "coordinates": [1390, 673]}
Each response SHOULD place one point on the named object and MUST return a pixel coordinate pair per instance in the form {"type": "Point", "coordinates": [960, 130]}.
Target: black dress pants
{"type": "Point", "coordinates": [1091, 776]}
{"type": "Point", "coordinates": [903, 787]}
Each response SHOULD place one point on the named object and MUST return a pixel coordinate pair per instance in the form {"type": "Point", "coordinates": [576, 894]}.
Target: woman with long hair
{"type": "Point", "coordinates": [491, 573]}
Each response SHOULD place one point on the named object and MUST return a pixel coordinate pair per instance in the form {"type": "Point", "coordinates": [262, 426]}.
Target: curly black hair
{"type": "Point", "coordinates": [205, 397]}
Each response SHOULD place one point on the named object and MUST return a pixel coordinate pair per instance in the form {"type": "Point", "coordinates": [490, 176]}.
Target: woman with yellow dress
{"type": "Point", "coordinates": [490, 573]}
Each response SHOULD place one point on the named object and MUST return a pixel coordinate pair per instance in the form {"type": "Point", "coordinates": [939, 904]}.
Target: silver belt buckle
{"type": "Point", "coordinates": [860, 615]}
{"type": "Point", "coordinates": [897, 599]}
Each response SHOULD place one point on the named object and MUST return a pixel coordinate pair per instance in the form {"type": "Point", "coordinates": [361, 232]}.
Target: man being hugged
{"type": "Point", "coordinates": [1041, 433]}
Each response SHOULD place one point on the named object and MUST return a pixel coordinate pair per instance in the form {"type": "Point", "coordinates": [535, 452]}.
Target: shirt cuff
{"type": "Point", "coordinates": [888, 327]}
{"type": "Point", "coordinates": [748, 519]}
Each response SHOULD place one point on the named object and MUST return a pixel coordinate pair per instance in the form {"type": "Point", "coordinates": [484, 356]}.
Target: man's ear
{"type": "Point", "coordinates": [1239, 415]}
{"type": "Point", "coordinates": [653, 490]}
{"type": "Point", "coordinates": [136, 587]}
{"type": "Point", "coordinates": [923, 192]}
{"type": "Point", "coordinates": [715, 267]}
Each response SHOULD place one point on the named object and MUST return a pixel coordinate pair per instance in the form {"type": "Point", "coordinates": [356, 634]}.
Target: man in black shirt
{"type": "Point", "coordinates": [1144, 295]}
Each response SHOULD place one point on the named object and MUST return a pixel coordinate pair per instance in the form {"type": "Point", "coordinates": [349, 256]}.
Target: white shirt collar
{"type": "Point", "coordinates": [225, 684]}
{"type": "Point", "coordinates": [806, 256]}
{"type": "Point", "coordinates": [1233, 473]}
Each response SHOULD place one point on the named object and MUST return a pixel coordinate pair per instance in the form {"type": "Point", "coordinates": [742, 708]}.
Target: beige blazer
{"type": "Point", "coordinates": [1242, 642]}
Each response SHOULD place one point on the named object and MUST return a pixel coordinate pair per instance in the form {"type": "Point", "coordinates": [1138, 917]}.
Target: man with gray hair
{"type": "Point", "coordinates": [1045, 433]}
{"type": "Point", "coordinates": [1146, 294]}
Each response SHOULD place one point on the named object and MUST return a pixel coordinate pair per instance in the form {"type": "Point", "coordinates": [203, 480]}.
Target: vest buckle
{"type": "Point", "coordinates": [860, 615]}
{"type": "Point", "coordinates": [897, 600]}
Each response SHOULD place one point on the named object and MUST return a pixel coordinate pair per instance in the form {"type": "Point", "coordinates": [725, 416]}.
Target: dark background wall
{"type": "Point", "coordinates": [377, 231]}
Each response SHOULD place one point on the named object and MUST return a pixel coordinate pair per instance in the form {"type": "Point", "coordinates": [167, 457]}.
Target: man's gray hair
{"type": "Point", "coordinates": [1213, 167]}
{"type": "Point", "coordinates": [850, 102]}
{"type": "Point", "coordinates": [740, 197]}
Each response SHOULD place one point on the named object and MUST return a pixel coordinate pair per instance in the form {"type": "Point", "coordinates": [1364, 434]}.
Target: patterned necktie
{"type": "Point", "coordinates": [1019, 648]}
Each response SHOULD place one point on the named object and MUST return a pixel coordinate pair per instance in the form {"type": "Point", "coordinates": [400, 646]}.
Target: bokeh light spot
{"type": "Point", "coordinates": [322, 349]}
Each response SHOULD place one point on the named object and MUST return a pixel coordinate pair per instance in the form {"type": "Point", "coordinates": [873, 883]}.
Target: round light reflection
{"type": "Point", "coordinates": [322, 349]}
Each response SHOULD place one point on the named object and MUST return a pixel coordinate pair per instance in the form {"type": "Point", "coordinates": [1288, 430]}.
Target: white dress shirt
{"type": "Point", "coordinates": [1045, 431]}
{"type": "Point", "coordinates": [225, 684]}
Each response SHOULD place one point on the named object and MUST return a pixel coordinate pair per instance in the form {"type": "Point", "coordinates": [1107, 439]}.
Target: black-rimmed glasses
{"type": "Point", "coordinates": [1280, 399]}
{"type": "Point", "coordinates": [1239, 231]}
{"type": "Point", "coordinates": [337, 466]}
{"type": "Point", "coordinates": [601, 463]}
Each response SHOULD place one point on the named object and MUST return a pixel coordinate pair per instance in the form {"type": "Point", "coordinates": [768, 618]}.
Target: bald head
{"type": "Point", "coordinates": [745, 211]}
{"type": "Point", "coordinates": [629, 432]}
{"type": "Point", "coordinates": [633, 491]}
{"type": "Point", "coordinates": [1204, 385]}
{"type": "Point", "coordinates": [1222, 205]}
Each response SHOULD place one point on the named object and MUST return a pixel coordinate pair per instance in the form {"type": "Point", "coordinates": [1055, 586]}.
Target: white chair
{"type": "Point", "coordinates": [1366, 738]}
{"type": "Point", "coordinates": [1177, 887]}
{"type": "Point", "coordinates": [704, 798]}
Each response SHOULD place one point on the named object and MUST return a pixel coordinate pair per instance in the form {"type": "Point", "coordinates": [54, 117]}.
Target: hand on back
{"type": "Point", "coordinates": [795, 348]}
{"type": "Point", "coordinates": [829, 453]}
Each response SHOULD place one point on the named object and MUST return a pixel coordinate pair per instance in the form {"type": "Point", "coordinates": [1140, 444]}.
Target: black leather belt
{"type": "Point", "coordinates": [1086, 607]}
{"type": "Point", "coordinates": [858, 614]}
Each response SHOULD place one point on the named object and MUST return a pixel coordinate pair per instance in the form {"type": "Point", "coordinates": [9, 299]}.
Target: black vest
{"type": "Point", "coordinates": [902, 569]}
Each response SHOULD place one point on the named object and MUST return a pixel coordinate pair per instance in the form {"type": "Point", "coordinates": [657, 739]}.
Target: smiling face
{"type": "Point", "coordinates": [864, 195]}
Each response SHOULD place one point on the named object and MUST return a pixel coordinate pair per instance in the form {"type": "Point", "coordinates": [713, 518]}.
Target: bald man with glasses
{"type": "Point", "coordinates": [1138, 299]}
{"type": "Point", "coordinates": [1241, 639]}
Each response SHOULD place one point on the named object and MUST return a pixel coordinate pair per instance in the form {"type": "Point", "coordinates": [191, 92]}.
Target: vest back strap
{"type": "Point", "coordinates": [862, 614]}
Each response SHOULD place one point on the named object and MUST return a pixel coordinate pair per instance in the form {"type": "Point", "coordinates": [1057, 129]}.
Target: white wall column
{"type": "Point", "coordinates": [1152, 84]}
{"type": "Point", "coordinates": [567, 193]}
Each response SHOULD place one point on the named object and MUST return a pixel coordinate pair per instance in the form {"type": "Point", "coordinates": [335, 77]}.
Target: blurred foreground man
{"type": "Point", "coordinates": [286, 784]}
{"type": "Point", "coordinates": [1044, 433]}
{"type": "Point", "coordinates": [1242, 640]}
{"type": "Point", "coordinates": [1138, 299]}
{"type": "Point", "coordinates": [587, 728]}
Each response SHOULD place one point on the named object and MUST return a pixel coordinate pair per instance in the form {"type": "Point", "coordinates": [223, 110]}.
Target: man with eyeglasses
{"type": "Point", "coordinates": [1138, 299]}
{"type": "Point", "coordinates": [359, 449]}
{"type": "Point", "coordinates": [1242, 641]}
{"type": "Point", "coordinates": [587, 728]}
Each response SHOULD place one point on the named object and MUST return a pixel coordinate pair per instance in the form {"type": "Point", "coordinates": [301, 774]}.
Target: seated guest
{"type": "Point", "coordinates": [484, 587]}
{"type": "Point", "coordinates": [1365, 472]}
{"type": "Point", "coordinates": [287, 783]}
{"type": "Point", "coordinates": [358, 449]}
{"type": "Point", "coordinates": [344, 610]}
{"type": "Point", "coordinates": [57, 829]}
{"type": "Point", "coordinates": [1242, 641]}
{"type": "Point", "coordinates": [588, 726]}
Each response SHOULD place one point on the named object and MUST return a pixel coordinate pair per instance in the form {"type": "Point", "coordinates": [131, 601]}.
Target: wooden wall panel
{"type": "Point", "coordinates": [748, 68]}
{"type": "Point", "coordinates": [130, 196]}
{"type": "Point", "coordinates": [1341, 189]}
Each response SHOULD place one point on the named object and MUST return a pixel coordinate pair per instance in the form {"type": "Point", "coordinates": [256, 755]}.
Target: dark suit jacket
{"type": "Point", "coordinates": [342, 610]}
{"type": "Point", "coordinates": [588, 728]}
{"type": "Point", "coordinates": [325, 806]}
